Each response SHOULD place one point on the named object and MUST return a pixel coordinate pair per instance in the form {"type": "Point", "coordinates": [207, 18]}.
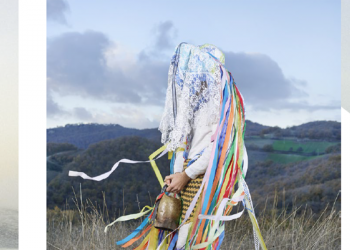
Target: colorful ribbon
{"type": "Point", "coordinates": [228, 165]}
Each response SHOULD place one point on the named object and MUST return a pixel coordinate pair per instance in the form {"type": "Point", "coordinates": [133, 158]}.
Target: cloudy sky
{"type": "Point", "coordinates": [107, 62]}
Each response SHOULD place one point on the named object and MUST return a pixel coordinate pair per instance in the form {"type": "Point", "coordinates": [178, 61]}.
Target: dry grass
{"type": "Point", "coordinates": [298, 229]}
{"type": "Point", "coordinates": [83, 228]}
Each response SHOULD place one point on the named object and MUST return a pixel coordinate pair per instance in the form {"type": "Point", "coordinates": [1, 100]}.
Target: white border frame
{"type": "Point", "coordinates": [32, 124]}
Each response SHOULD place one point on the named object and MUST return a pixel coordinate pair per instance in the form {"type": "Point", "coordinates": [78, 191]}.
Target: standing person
{"type": "Point", "coordinates": [203, 123]}
{"type": "Point", "coordinates": [187, 179]}
{"type": "Point", "coordinates": [197, 105]}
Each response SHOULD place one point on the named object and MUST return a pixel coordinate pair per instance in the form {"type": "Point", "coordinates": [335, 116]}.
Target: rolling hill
{"type": "Point", "coordinates": [83, 135]}
{"type": "Point", "coordinates": [310, 172]}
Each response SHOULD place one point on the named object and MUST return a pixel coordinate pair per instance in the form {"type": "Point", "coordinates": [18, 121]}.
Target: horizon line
{"type": "Point", "coordinates": [95, 123]}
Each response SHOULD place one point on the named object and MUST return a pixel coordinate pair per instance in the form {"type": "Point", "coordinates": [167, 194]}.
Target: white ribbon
{"type": "Point", "coordinates": [105, 175]}
{"type": "Point", "coordinates": [220, 210]}
{"type": "Point", "coordinates": [245, 161]}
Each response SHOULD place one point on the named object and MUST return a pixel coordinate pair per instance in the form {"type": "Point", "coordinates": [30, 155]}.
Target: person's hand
{"type": "Point", "coordinates": [167, 179]}
{"type": "Point", "coordinates": [176, 182]}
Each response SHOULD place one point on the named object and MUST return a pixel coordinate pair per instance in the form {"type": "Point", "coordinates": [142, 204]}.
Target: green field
{"type": "Point", "coordinates": [318, 147]}
{"type": "Point", "coordinates": [308, 146]}
{"type": "Point", "coordinates": [258, 141]}
{"type": "Point", "coordinates": [287, 158]}
{"type": "Point", "coordinates": [256, 156]}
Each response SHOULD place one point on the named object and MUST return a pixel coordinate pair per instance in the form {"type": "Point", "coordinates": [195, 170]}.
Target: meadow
{"type": "Point", "coordinates": [307, 146]}
{"type": "Point", "coordinates": [286, 150]}
{"type": "Point", "coordinates": [82, 227]}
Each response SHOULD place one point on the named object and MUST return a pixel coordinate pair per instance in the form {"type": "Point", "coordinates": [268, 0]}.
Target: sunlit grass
{"type": "Point", "coordinates": [82, 227]}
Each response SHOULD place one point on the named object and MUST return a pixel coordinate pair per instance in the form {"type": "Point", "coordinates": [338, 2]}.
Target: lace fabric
{"type": "Point", "coordinates": [193, 94]}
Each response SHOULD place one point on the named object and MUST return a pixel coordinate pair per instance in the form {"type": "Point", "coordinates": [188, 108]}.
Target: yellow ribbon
{"type": "Point", "coordinates": [255, 225]}
{"type": "Point", "coordinates": [153, 238]}
{"type": "Point", "coordinates": [154, 165]}
{"type": "Point", "coordinates": [170, 155]}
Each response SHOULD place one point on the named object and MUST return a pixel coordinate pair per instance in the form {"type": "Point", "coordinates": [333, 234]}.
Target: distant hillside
{"type": "Point", "coordinates": [311, 178]}
{"type": "Point", "coordinates": [120, 188]}
{"type": "Point", "coordinates": [320, 130]}
{"type": "Point", "coordinates": [300, 161]}
{"type": "Point", "coordinates": [83, 135]}
{"type": "Point", "coordinates": [254, 128]}
{"type": "Point", "coordinates": [314, 182]}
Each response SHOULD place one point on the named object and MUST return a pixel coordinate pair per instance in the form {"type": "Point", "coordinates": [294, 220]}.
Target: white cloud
{"type": "Point", "coordinates": [91, 66]}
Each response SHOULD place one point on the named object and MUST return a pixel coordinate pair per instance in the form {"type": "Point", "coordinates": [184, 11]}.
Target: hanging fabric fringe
{"type": "Point", "coordinates": [228, 165]}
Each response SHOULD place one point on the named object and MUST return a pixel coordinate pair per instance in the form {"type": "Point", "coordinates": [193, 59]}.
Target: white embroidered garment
{"type": "Point", "coordinates": [194, 80]}
{"type": "Point", "coordinates": [201, 140]}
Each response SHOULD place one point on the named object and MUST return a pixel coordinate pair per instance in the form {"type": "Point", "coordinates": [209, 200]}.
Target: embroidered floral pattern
{"type": "Point", "coordinates": [193, 93]}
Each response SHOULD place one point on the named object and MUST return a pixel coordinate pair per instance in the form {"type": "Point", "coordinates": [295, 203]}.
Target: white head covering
{"type": "Point", "coordinates": [194, 92]}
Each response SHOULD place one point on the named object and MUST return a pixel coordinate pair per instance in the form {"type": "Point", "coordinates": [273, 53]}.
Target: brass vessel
{"type": "Point", "coordinates": [168, 213]}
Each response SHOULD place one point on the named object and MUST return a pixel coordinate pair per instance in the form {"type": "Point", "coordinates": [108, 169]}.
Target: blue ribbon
{"type": "Point", "coordinates": [173, 242]}
{"type": "Point", "coordinates": [221, 238]}
{"type": "Point", "coordinates": [172, 163]}
{"type": "Point", "coordinates": [134, 233]}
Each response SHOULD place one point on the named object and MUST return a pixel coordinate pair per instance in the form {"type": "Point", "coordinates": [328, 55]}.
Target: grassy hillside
{"type": "Point", "coordinates": [306, 146]}
{"type": "Point", "coordinates": [134, 185]}
{"type": "Point", "coordinates": [121, 187]}
{"type": "Point", "coordinates": [293, 176]}
{"type": "Point", "coordinates": [289, 158]}
{"type": "Point", "coordinates": [315, 182]}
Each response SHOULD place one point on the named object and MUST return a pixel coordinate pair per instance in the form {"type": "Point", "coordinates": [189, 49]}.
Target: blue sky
{"type": "Point", "coordinates": [108, 60]}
